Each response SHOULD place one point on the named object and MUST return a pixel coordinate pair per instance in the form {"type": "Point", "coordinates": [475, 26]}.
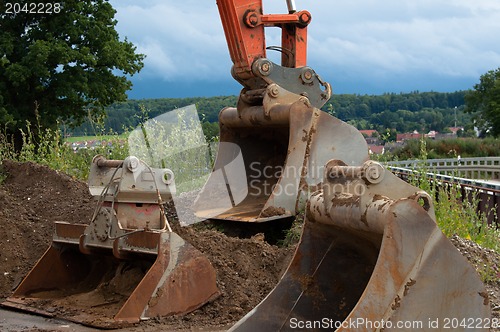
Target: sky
{"type": "Point", "coordinates": [358, 46]}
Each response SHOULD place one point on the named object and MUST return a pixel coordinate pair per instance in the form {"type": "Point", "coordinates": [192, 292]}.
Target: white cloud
{"type": "Point", "coordinates": [454, 40]}
{"type": "Point", "coordinates": [180, 42]}
{"type": "Point", "coordinates": [367, 39]}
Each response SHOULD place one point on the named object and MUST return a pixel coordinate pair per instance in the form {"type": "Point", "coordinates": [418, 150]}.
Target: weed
{"type": "Point", "coordinates": [488, 273]}
{"type": "Point", "coordinates": [6, 148]}
{"type": "Point", "coordinates": [456, 214]}
{"type": "Point", "coordinates": [292, 234]}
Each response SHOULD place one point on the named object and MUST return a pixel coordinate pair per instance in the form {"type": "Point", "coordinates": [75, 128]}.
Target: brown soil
{"type": "Point", "coordinates": [33, 197]}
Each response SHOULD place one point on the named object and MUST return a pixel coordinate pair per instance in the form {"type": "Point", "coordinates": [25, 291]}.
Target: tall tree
{"type": "Point", "coordinates": [61, 61]}
{"type": "Point", "coordinates": [484, 102]}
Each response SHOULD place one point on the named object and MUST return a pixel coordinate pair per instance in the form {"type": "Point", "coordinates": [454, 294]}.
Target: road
{"type": "Point", "coordinates": [18, 321]}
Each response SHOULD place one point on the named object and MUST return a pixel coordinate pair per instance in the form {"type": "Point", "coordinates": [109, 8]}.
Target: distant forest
{"type": "Point", "coordinates": [403, 112]}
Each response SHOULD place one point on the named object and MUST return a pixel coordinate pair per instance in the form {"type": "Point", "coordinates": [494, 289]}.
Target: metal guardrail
{"type": "Point", "coordinates": [486, 192]}
{"type": "Point", "coordinates": [469, 168]}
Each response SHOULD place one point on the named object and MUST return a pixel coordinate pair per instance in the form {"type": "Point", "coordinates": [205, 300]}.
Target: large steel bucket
{"type": "Point", "coordinates": [372, 258]}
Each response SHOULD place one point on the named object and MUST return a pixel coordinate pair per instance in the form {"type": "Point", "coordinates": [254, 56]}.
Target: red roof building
{"type": "Point", "coordinates": [368, 132]}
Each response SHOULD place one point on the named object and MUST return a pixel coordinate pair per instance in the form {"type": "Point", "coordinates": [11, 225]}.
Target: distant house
{"type": "Point", "coordinates": [455, 130]}
{"type": "Point", "coordinates": [376, 149]}
{"type": "Point", "coordinates": [368, 132]}
{"type": "Point", "coordinates": [431, 134]}
{"type": "Point", "coordinates": [407, 136]}
{"type": "Point", "coordinates": [371, 136]}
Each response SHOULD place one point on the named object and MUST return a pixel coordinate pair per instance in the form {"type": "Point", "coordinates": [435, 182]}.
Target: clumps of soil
{"type": "Point", "coordinates": [32, 197]}
{"type": "Point", "coordinates": [247, 270]}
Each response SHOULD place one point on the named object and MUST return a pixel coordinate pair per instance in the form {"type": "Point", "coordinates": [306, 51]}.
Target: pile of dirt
{"type": "Point", "coordinates": [33, 197]}
{"type": "Point", "coordinates": [247, 270]}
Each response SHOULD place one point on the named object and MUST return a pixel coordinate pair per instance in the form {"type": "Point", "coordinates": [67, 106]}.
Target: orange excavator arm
{"type": "Point", "coordinates": [244, 24]}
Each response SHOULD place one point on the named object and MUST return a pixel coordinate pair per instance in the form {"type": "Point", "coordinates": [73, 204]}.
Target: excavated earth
{"type": "Point", "coordinates": [33, 197]}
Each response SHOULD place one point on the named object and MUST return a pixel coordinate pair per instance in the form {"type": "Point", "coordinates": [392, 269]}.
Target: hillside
{"type": "Point", "coordinates": [422, 111]}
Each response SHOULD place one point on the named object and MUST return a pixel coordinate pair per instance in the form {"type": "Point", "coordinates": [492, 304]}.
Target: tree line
{"type": "Point", "coordinates": [403, 112]}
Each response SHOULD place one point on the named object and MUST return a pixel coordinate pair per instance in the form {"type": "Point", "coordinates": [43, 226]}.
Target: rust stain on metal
{"type": "Point", "coordinates": [381, 207]}
{"type": "Point", "coordinates": [408, 285]}
{"type": "Point", "coordinates": [397, 303]}
{"type": "Point", "coordinates": [304, 138]}
{"type": "Point", "coordinates": [345, 200]}
{"type": "Point", "coordinates": [305, 282]}
{"type": "Point", "coordinates": [486, 297]}
{"type": "Point", "coordinates": [309, 135]}
{"type": "Point", "coordinates": [364, 220]}
{"type": "Point", "coordinates": [309, 287]}
{"type": "Point", "coordinates": [318, 211]}
{"type": "Point", "coordinates": [305, 187]}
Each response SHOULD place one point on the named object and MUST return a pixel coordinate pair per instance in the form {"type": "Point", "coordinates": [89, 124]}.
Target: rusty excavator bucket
{"type": "Point", "coordinates": [281, 135]}
{"type": "Point", "coordinates": [283, 147]}
{"type": "Point", "coordinates": [126, 265]}
{"type": "Point", "coordinates": [371, 256]}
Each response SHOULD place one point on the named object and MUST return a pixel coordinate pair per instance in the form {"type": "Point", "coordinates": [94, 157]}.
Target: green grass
{"type": "Point", "coordinates": [448, 148]}
{"type": "Point", "coordinates": [47, 147]}
{"type": "Point", "coordinates": [454, 215]}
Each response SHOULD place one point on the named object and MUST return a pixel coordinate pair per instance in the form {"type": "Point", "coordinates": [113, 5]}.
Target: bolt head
{"type": "Point", "coordinates": [274, 91]}
{"type": "Point", "coordinates": [253, 19]}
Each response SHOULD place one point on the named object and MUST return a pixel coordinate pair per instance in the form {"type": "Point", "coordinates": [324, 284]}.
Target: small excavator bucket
{"type": "Point", "coordinates": [126, 265]}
